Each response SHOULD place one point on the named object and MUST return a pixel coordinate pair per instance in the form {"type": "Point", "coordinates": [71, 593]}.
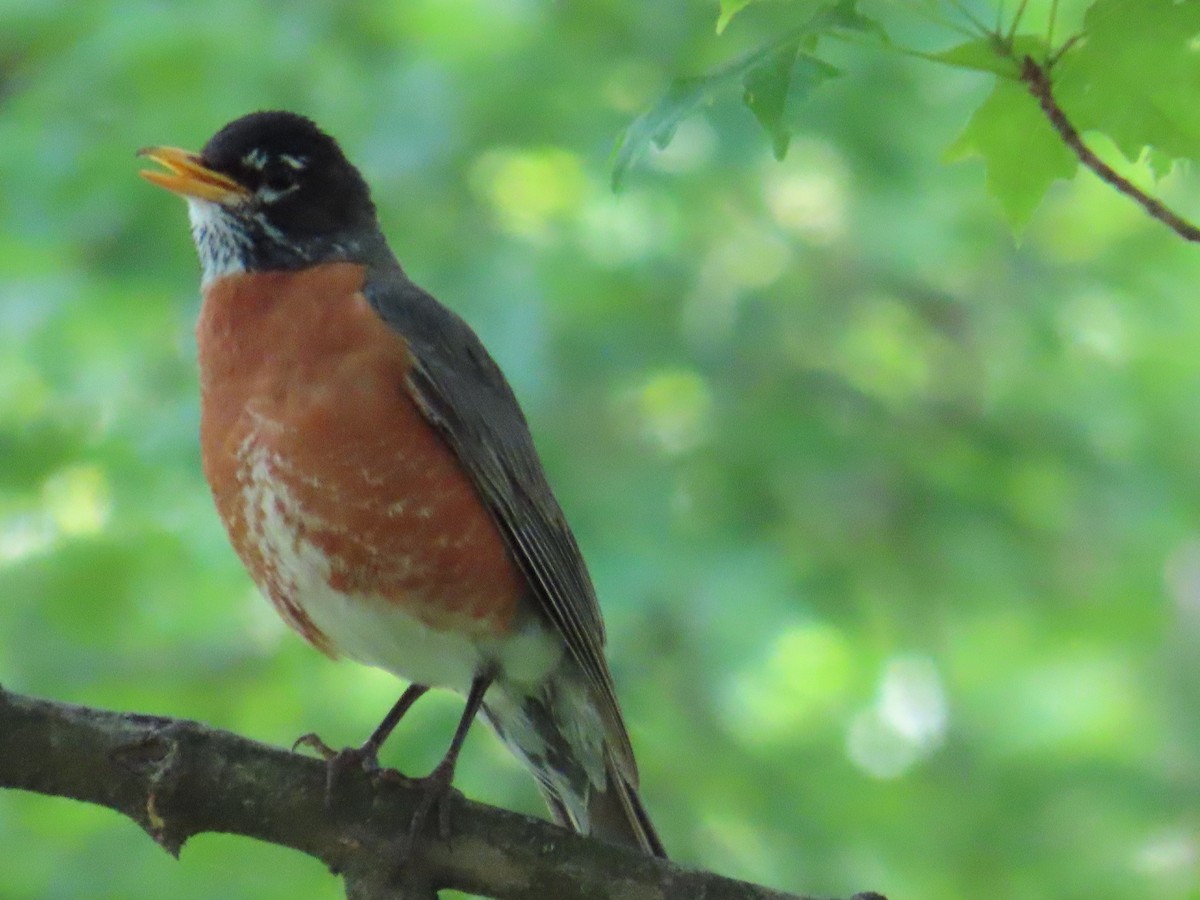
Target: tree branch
{"type": "Point", "coordinates": [177, 778]}
{"type": "Point", "coordinates": [1037, 79]}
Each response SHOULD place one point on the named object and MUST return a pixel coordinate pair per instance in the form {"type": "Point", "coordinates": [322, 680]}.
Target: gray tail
{"type": "Point", "coordinates": [617, 814]}
{"type": "Point", "coordinates": [581, 781]}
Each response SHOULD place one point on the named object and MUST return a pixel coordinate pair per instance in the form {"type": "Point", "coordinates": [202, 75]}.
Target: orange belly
{"type": "Point", "coordinates": [329, 480]}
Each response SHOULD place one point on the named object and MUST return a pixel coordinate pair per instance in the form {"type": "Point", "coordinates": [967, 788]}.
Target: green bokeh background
{"type": "Point", "coordinates": [894, 521]}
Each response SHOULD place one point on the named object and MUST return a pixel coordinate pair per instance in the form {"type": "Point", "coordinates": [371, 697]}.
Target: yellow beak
{"type": "Point", "coordinates": [188, 177]}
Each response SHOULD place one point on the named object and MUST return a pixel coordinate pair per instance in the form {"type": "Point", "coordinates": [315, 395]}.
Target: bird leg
{"type": "Point", "coordinates": [437, 784]}
{"type": "Point", "coordinates": [365, 757]}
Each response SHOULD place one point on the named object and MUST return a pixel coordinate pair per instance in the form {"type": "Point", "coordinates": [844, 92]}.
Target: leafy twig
{"type": "Point", "coordinates": [1037, 79]}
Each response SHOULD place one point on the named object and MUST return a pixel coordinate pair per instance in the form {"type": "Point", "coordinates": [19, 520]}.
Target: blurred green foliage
{"type": "Point", "coordinates": [1118, 66]}
{"type": "Point", "coordinates": [895, 523]}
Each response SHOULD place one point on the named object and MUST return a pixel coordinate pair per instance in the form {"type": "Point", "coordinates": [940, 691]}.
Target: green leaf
{"type": "Point", "coordinates": [777, 85]}
{"type": "Point", "coordinates": [836, 13]}
{"type": "Point", "coordinates": [990, 54]}
{"type": "Point", "coordinates": [1130, 76]}
{"type": "Point", "coordinates": [729, 9]}
{"type": "Point", "coordinates": [766, 91]}
{"type": "Point", "coordinates": [807, 74]}
{"type": "Point", "coordinates": [658, 124]}
{"type": "Point", "coordinates": [844, 16]}
{"type": "Point", "coordinates": [1020, 149]}
{"type": "Point", "coordinates": [771, 84]}
{"type": "Point", "coordinates": [1160, 163]}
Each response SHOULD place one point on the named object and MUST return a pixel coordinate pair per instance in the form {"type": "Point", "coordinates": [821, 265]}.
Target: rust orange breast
{"type": "Point", "coordinates": [320, 462]}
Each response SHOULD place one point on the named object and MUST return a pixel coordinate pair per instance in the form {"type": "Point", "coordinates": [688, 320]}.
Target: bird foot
{"type": "Point", "coordinates": [338, 763]}
{"type": "Point", "coordinates": [436, 790]}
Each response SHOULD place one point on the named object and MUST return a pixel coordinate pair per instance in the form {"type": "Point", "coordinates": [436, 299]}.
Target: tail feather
{"type": "Point", "coordinates": [557, 733]}
{"type": "Point", "coordinates": [617, 814]}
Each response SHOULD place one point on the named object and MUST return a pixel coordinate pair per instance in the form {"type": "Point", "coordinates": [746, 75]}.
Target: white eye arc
{"type": "Point", "coordinates": [255, 159]}
{"type": "Point", "coordinates": [279, 177]}
{"type": "Point", "coordinates": [267, 194]}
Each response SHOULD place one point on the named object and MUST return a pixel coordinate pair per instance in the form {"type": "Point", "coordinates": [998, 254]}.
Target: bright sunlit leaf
{"type": "Point", "coordinates": [1021, 151]}
{"type": "Point", "coordinates": [1131, 73]}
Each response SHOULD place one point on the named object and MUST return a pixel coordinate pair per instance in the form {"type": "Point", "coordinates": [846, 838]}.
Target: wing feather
{"type": "Point", "coordinates": [461, 391]}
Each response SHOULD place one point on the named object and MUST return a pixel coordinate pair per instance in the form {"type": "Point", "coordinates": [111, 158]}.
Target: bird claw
{"type": "Point", "coordinates": [339, 762]}
{"type": "Point", "coordinates": [313, 742]}
{"type": "Point", "coordinates": [436, 789]}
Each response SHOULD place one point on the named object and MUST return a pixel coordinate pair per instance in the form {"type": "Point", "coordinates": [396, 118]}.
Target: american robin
{"type": "Point", "coordinates": [377, 476]}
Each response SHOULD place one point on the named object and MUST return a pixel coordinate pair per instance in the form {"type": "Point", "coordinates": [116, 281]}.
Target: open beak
{"type": "Point", "coordinates": [188, 177]}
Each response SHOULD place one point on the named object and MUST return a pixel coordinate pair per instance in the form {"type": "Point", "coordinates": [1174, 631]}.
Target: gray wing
{"type": "Point", "coordinates": [462, 392]}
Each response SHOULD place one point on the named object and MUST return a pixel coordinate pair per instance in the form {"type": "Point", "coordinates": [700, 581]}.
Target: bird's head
{"type": "Point", "coordinates": [270, 191]}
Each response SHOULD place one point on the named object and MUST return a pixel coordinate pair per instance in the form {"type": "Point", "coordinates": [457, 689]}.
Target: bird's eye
{"type": "Point", "coordinates": [278, 178]}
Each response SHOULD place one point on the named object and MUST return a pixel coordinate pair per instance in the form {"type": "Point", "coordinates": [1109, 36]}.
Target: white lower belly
{"type": "Point", "coordinates": [382, 634]}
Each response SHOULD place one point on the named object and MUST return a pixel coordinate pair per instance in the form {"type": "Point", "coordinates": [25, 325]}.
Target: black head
{"type": "Point", "coordinates": [271, 191]}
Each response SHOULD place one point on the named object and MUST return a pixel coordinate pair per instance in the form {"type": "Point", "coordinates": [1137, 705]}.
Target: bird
{"type": "Point", "coordinates": [377, 477]}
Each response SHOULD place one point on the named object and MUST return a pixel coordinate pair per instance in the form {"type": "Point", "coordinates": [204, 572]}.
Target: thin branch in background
{"type": "Point", "coordinates": [1050, 29]}
{"type": "Point", "coordinates": [1016, 22]}
{"type": "Point", "coordinates": [1037, 80]}
{"type": "Point", "coordinates": [965, 12]}
{"type": "Point", "coordinates": [932, 15]}
{"type": "Point", "coordinates": [1062, 51]}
